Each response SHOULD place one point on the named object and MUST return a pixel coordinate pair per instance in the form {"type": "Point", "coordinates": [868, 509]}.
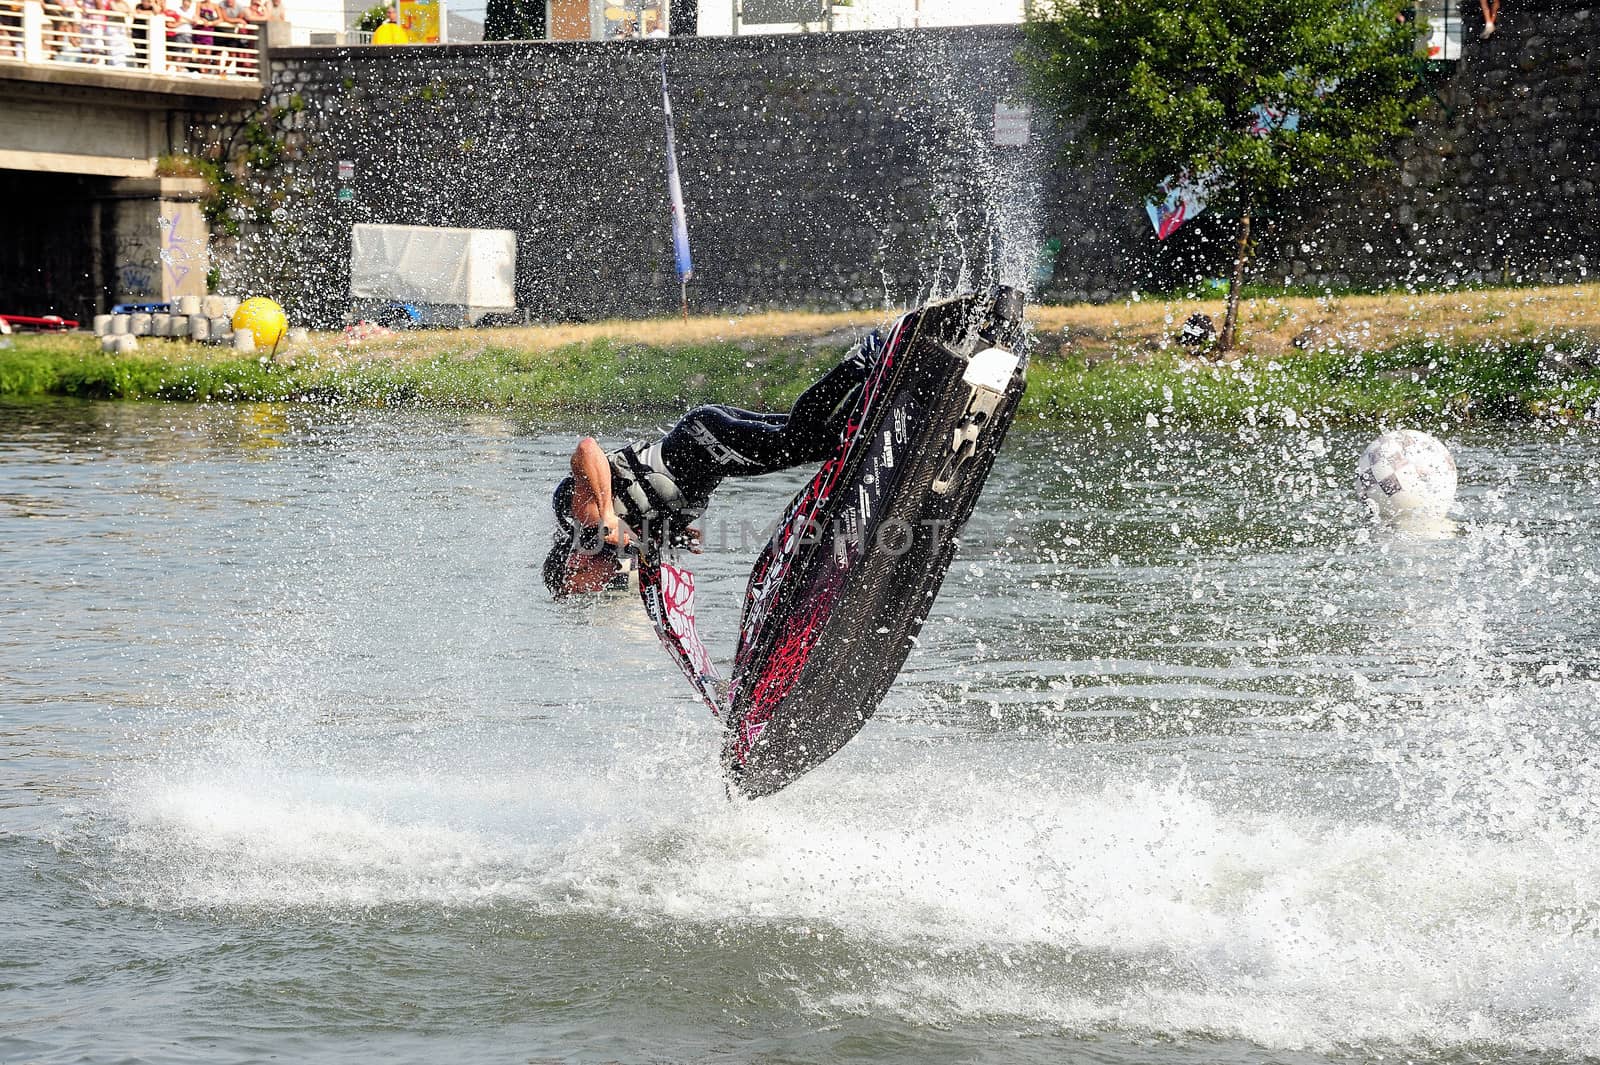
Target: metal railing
{"type": "Point", "coordinates": [112, 36]}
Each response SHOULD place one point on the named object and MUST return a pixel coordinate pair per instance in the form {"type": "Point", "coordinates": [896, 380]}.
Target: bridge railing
{"type": "Point", "coordinates": [74, 32]}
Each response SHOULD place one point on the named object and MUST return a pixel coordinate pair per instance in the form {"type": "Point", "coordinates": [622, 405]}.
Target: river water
{"type": "Point", "coordinates": [297, 761]}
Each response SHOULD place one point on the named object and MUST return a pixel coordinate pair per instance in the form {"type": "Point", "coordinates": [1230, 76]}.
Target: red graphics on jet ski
{"type": "Point", "coordinates": [838, 595]}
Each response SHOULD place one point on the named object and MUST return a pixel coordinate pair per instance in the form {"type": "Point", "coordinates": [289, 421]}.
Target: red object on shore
{"type": "Point", "coordinates": [50, 323]}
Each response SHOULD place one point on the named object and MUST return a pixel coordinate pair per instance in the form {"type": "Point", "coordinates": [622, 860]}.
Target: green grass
{"type": "Point", "coordinates": [1485, 381]}
{"type": "Point", "coordinates": [591, 375]}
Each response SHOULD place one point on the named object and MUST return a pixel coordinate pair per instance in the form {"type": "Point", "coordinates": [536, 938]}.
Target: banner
{"type": "Point", "coordinates": [423, 20]}
{"type": "Point", "coordinates": [1176, 200]}
{"type": "Point", "coordinates": [680, 225]}
{"type": "Point", "coordinates": [1181, 197]}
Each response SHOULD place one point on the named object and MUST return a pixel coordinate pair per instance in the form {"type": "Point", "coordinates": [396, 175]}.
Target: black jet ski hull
{"type": "Point", "coordinates": [838, 596]}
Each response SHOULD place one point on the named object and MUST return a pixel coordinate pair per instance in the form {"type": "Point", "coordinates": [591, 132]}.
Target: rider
{"type": "Point", "coordinates": [650, 494]}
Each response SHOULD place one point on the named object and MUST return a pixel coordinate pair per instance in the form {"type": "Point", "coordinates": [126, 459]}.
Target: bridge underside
{"type": "Point", "coordinates": [48, 252]}
{"type": "Point", "coordinates": [88, 223]}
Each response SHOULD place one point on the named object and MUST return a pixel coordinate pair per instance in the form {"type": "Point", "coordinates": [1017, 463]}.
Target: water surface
{"type": "Point", "coordinates": [1191, 765]}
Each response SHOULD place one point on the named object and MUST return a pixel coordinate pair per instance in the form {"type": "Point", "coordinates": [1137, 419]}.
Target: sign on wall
{"type": "Point", "coordinates": [1443, 19]}
{"type": "Point", "coordinates": [1013, 124]}
{"type": "Point", "coordinates": [423, 20]}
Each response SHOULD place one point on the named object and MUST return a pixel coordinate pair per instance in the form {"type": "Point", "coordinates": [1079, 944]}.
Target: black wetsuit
{"type": "Point", "coordinates": [659, 488]}
{"type": "Point", "coordinates": [717, 441]}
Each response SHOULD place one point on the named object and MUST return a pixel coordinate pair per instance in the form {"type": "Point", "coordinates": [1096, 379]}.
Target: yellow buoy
{"type": "Point", "coordinates": [390, 33]}
{"type": "Point", "coordinates": [263, 319]}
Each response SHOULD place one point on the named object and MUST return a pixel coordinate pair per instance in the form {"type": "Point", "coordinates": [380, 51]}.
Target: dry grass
{"type": "Point", "coordinates": [1270, 326]}
{"type": "Point", "coordinates": [771, 328]}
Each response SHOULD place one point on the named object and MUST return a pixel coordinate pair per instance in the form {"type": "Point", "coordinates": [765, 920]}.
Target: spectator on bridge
{"type": "Point", "coordinates": [143, 12]}
{"type": "Point", "coordinates": [179, 15]}
{"type": "Point", "coordinates": [64, 38]}
{"type": "Point", "coordinates": [207, 16]}
{"type": "Point", "coordinates": [94, 31]}
{"type": "Point", "coordinates": [117, 30]}
{"type": "Point", "coordinates": [10, 31]}
{"type": "Point", "coordinates": [234, 30]}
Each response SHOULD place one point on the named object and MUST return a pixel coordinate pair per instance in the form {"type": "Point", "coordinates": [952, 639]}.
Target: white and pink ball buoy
{"type": "Point", "coordinates": [1407, 475]}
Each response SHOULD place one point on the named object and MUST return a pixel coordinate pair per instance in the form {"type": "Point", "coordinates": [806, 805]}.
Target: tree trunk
{"type": "Point", "coordinates": [1230, 324]}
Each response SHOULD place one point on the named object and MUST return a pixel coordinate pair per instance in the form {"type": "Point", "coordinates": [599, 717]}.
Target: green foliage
{"type": "Point", "coordinates": [257, 147]}
{"type": "Point", "coordinates": [181, 166]}
{"type": "Point", "coordinates": [1165, 85]}
{"type": "Point", "coordinates": [514, 20]}
{"type": "Point", "coordinates": [372, 18]}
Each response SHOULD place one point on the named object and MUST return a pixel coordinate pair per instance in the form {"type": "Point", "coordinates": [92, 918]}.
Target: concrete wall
{"type": "Point", "coordinates": [160, 249]}
{"type": "Point", "coordinates": [860, 169]}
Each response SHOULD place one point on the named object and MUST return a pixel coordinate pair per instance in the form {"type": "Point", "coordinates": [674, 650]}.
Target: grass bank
{"type": "Point", "coordinates": [1486, 355]}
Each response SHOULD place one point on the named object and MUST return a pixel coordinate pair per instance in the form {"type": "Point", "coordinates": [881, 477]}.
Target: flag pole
{"type": "Point", "coordinates": [680, 226]}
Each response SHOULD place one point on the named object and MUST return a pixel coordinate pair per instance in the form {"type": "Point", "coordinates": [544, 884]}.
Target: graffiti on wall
{"type": "Point", "coordinates": [178, 252]}
{"type": "Point", "coordinates": [135, 281]}
{"type": "Point", "coordinates": [161, 252]}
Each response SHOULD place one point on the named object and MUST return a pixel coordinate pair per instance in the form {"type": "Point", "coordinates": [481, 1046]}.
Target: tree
{"type": "Point", "coordinates": [1171, 87]}
{"type": "Point", "coordinates": [514, 20]}
{"type": "Point", "coordinates": [684, 18]}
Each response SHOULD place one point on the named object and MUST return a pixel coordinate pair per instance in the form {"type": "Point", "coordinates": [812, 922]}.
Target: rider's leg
{"type": "Point", "coordinates": [717, 441]}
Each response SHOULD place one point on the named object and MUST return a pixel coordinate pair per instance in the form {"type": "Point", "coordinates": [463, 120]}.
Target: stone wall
{"type": "Point", "coordinates": [859, 169]}
{"type": "Point", "coordinates": [1500, 182]}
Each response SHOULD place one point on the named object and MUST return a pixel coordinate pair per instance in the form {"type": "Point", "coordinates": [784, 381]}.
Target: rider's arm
{"type": "Point", "coordinates": [591, 488]}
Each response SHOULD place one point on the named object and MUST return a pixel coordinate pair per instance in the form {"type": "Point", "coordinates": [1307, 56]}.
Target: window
{"type": "Point", "coordinates": [1441, 28]}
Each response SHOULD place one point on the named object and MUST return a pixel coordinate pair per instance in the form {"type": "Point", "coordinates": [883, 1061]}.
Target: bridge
{"type": "Point", "coordinates": [95, 109]}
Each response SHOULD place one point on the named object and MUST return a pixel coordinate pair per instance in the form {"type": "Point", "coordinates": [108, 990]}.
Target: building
{"type": "Point", "coordinates": [779, 16]}
{"type": "Point", "coordinates": [604, 19]}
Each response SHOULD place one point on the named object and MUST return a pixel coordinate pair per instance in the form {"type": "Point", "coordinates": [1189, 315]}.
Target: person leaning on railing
{"type": "Point", "coordinates": [233, 31]}
{"type": "Point", "coordinates": [118, 30]}
{"type": "Point", "coordinates": [64, 39]}
{"type": "Point", "coordinates": [207, 16]}
{"type": "Point", "coordinates": [11, 30]}
{"type": "Point", "coordinates": [179, 16]}
{"type": "Point", "coordinates": [94, 32]}
{"type": "Point", "coordinates": [143, 12]}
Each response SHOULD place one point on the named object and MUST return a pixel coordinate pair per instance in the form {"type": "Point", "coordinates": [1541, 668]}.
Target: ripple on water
{"type": "Point", "coordinates": [1187, 766]}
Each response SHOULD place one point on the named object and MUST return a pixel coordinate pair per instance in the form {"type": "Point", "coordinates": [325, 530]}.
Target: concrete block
{"type": "Point", "coordinates": [125, 345]}
{"type": "Point", "coordinates": [299, 335]}
{"type": "Point", "coordinates": [244, 342]}
{"type": "Point", "coordinates": [102, 325]}
{"type": "Point", "coordinates": [108, 343]}
{"type": "Point", "coordinates": [159, 323]}
{"type": "Point", "coordinates": [119, 325]}
{"type": "Point", "coordinates": [211, 306]}
{"type": "Point", "coordinates": [178, 325]}
{"type": "Point", "coordinates": [229, 305]}
{"type": "Point", "coordinates": [139, 325]}
{"type": "Point", "coordinates": [188, 305]}
{"type": "Point", "coordinates": [199, 329]}
{"type": "Point", "coordinates": [221, 326]}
